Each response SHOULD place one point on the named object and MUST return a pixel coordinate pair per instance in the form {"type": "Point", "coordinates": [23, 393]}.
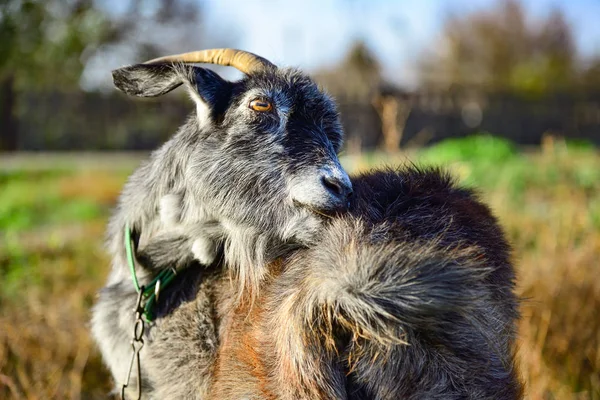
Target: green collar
{"type": "Point", "coordinates": [150, 292]}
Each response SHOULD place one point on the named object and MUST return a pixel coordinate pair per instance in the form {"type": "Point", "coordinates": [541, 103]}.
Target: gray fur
{"type": "Point", "coordinates": [407, 295]}
{"type": "Point", "coordinates": [226, 182]}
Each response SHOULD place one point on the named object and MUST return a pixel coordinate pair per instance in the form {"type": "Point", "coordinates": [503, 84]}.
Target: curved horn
{"type": "Point", "coordinates": [246, 62]}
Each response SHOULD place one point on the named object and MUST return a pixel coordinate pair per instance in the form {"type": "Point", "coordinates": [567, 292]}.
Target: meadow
{"type": "Point", "coordinates": [53, 214]}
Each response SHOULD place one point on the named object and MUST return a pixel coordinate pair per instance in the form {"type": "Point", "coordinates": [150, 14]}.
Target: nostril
{"type": "Point", "coordinates": [333, 185]}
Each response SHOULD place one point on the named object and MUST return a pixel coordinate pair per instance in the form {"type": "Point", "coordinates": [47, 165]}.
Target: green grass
{"type": "Point", "coordinates": [478, 149]}
{"type": "Point", "coordinates": [34, 200]}
{"type": "Point", "coordinates": [52, 263]}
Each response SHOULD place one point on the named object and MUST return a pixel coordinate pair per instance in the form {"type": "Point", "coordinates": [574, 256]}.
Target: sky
{"type": "Point", "coordinates": [313, 34]}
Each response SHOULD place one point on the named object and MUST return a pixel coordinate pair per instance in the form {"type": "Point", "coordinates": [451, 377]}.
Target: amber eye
{"type": "Point", "coordinates": [260, 105]}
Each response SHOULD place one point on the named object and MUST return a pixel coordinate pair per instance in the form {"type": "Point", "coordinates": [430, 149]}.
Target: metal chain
{"type": "Point", "coordinates": [144, 308]}
{"type": "Point", "coordinates": [136, 344]}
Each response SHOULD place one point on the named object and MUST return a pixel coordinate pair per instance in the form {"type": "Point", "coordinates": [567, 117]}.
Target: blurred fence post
{"type": "Point", "coordinates": [393, 112]}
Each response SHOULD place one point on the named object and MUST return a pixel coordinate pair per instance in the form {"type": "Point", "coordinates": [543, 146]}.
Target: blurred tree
{"type": "Point", "coordinates": [150, 28]}
{"type": "Point", "coordinates": [43, 45]}
{"type": "Point", "coordinates": [46, 44]}
{"type": "Point", "coordinates": [355, 77]}
{"type": "Point", "coordinates": [503, 49]}
{"type": "Point", "coordinates": [353, 82]}
{"type": "Point", "coordinates": [590, 76]}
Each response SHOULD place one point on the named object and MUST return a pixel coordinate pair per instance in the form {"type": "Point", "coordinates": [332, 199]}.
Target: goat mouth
{"type": "Point", "coordinates": [324, 213]}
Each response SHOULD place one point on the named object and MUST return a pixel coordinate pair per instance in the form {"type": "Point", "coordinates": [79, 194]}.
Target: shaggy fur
{"type": "Point", "coordinates": [232, 181]}
{"type": "Point", "coordinates": [407, 294]}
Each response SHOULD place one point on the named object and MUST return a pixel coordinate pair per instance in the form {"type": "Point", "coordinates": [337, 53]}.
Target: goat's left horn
{"type": "Point", "coordinates": [245, 61]}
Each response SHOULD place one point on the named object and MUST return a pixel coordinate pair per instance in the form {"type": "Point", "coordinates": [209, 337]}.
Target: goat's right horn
{"type": "Point", "coordinates": [245, 61]}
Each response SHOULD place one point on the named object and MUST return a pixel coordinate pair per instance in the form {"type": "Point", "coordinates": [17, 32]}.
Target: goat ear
{"type": "Point", "coordinates": [210, 92]}
{"type": "Point", "coordinates": [147, 80]}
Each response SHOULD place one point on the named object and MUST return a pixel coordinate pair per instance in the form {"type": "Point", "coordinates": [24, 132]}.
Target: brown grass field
{"type": "Point", "coordinates": [52, 262]}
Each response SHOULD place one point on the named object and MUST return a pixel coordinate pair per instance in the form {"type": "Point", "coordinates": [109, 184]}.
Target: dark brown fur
{"type": "Point", "coordinates": [409, 295]}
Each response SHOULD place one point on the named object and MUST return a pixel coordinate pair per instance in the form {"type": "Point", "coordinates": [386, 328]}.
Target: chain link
{"type": "Point", "coordinates": [144, 308]}
{"type": "Point", "coordinates": [136, 344]}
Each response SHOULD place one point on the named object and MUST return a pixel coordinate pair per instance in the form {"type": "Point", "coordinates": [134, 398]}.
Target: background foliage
{"type": "Point", "coordinates": [52, 218]}
{"type": "Point", "coordinates": [495, 69]}
{"type": "Point", "coordinates": [521, 84]}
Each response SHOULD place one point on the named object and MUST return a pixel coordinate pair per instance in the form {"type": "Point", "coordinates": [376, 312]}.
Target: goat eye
{"type": "Point", "coordinates": [260, 105]}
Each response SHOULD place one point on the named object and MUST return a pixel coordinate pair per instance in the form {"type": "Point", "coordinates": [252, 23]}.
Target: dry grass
{"type": "Point", "coordinates": [549, 204]}
{"type": "Point", "coordinates": [45, 348]}
{"type": "Point", "coordinates": [557, 251]}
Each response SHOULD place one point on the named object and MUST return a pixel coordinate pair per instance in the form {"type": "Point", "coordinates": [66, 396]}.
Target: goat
{"type": "Point", "coordinates": [258, 159]}
{"type": "Point", "coordinates": [409, 294]}
{"type": "Point", "coordinates": [406, 292]}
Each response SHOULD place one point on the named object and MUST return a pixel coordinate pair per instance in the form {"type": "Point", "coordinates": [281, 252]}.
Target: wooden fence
{"type": "Point", "coordinates": [389, 119]}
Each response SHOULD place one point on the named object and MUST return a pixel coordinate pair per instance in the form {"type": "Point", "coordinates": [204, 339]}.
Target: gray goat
{"type": "Point", "coordinates": [258, 159]}
{"type": "Point", "coordinates": [405, 292]}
